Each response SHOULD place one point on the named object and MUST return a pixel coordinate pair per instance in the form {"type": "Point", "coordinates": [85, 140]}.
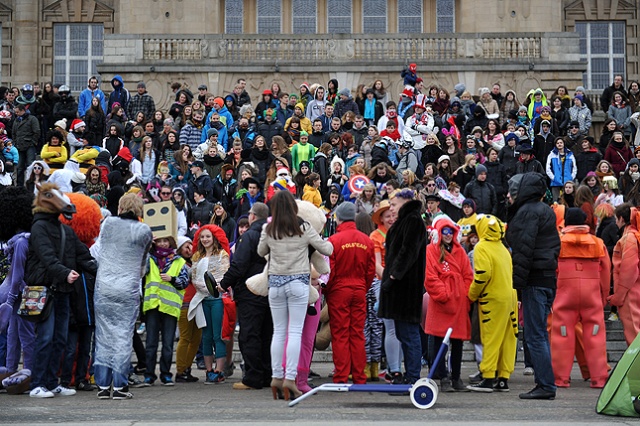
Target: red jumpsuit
{"type": "Point", "coordinates": [583, 284]}
{"type": "Point", "coordinates": [353, 267]}
{"type": "Point", "coordinates": [626, 279]}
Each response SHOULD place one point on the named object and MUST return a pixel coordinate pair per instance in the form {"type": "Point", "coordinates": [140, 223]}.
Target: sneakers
{"type": "Point", "coordinates": [104, 393]}
{"type": "Point", "coordinates": [148, 381]}
{"type": "Point", "coordinates": [313, 374]}
{"type": "Point", "coordinates": [228, 370]}
{"type": "Point", "coordinates": [139, 370]}
{"type": "Point", "coordinates": [486, 385]}
{"type": "Point", "coordinates": [475, 378]}
{"type": "Point", "coordinates": [62, 391]}
{"type": "Point", "coordinates": [166, 381]}
{"type": "Point", "coordinates": [122, 393]}
{"type": "Point", "coordinates": [41, 392]}
{"type": "Point", "coordinates": [200, 364]}
{"type": "Point", "coordinates": [501, 385]}
{"type": "Point", "coordinates": [141, 329]}
{"type": "Point", "coordinates": [214, 377]}
{"type": "Point", "coordinates": [186, 377]}
{"type": "Point", "coordinates": [528, 371]}
{"type": "Point", "coordinates": [458, 386]}
{"type": "Point", "coordinates": [134, 381]}
{"type": "Point", "coordinates": [538, 393]}
{"type": "Point", "coordinates": [397, 378]}
{"type": "Point", "coordinates": [445, 385]}
{"type": "Point", "coordinates": [613, 317]}
{"type": "Point", "coordinates": [85, 386]}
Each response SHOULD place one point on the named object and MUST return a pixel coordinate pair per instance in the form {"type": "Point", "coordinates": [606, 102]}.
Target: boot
{"type": "Point", "coordinates": [302, 381]}
{"type": "Point", "coordinates": [367, 371]}
{"type": "Point", "coordinates": [374, 371]}
{"type": "Point", "coordinates": [290, 389]}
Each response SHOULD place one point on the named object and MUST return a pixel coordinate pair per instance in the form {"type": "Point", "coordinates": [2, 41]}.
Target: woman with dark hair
{"type": "Point", "coordinates": [179, 168]}
{"type": "Point", "coordinates": [332, 91]}
{"type": "Point", "coordinates": [561, 114]}
{"type": "Point", "coordinates": [53, 152]}
{"type": "Point", "coordinates": [634, 96]}
{"type": "Point", "coordinates": [37, 173]}
{"type": "Point", "coordinates": [158, 121]}
{"type": "Point", "coordinates": [493, 137]}
{"type": "Point", "coordinates": [286, 239]}
{"type": "Point", "coordinates": [169, 146]}
{"type": "Point", "coordinates": [620, 111]}
{"type": "Point", "coordinates": [380, 174]}
{"type": "Point", "coordinates": [562, 93]}
{"type": "Point", "coordinates": [94, 119]}
{"type": "Point", "coordinates": [608, 129]}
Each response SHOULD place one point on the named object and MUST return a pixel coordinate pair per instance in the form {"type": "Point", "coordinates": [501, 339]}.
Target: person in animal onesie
{"type": "Point", "coordinates": [16, 217]}
{"type": "Point", "coordinates": [493, 289]}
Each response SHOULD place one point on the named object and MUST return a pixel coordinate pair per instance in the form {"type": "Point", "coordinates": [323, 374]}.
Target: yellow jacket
{"type": "Point", "coordinates": [312, 195]}
{"type": "Point", "coordinates": [54, 154]}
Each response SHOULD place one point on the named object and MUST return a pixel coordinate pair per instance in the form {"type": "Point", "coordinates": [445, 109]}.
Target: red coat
{"type": "Point", "coordinates": [448, 285]}
{"type": "Point", "coordinates": [353, 261]}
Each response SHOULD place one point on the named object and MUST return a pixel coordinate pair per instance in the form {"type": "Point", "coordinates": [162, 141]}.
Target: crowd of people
{"type": "Point", "coordinates": [415, 188]}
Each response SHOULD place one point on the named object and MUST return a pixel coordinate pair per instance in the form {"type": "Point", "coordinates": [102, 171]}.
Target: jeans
{"type": "Point", "coordinates": [288, 309]}
{"type": "Point", "coordinates": [105, 375]}
{"type": "Point", "coordinates": [3, 349]}
{"type": "Point", "coordinates": [159, 322]}
{"type": "Point", "coordinates": [20, 339]}
{"type": "Point", "coordinates": [26, 157]}
{"type": "Point", "coordinates": [392, 347]}
{"type": "Point", "coordinates": [212, 335]}
{"type": "Point", "coordinates": [51, 338]}
{"type": "Point", "coordinates": [536, 305]}
{"type": "Point", "coordinates": [409, 336]}
{"type": "Point", "coordinates": [79, 337]}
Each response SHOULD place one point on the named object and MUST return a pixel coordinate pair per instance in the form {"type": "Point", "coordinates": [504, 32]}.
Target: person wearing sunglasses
{"type": "Point", "coordinates": [447, 281]}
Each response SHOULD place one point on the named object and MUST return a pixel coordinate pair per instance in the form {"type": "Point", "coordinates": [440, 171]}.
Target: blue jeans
{"type": "Point", "coordinates": [51, 338]}
{"type": "Point", "coordinates": [105, 375]}
{"type": "Point", "coordinates": [536, 305]}
{"type": "Point", "coordinates": [409, 336]}
{"type": "Point", "coordinates": [212, 335]}
{"type": "Point", "coordinates": [25, 158]}
{"type": "Point", "coordinates": [159, 322]}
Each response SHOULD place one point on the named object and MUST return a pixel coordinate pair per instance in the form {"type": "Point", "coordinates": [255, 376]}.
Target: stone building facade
{"type": "Point", "coordinates": [519, 43]}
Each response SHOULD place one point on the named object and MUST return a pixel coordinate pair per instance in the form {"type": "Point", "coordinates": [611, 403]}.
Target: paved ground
{"type": "Point", "coordinates": [197, 403]}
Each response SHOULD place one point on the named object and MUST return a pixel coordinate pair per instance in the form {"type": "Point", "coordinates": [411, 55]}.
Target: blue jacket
{"type": "Point", "coordinates": [84, 102]}
{"type": "Point", "coordinates": [558, 173]}
{"type": "Point", "coordinates": [223, 135]}
{"type": "Point", "coordinates": [11, 154]}
{"type": "Point", "coordinates": [225, 116]}
{"type": "Point", "coordinates": [120, 95]}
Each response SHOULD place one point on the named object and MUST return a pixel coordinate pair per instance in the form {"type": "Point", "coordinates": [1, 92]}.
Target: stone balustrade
{"type": "Point", "coordinates": [315, 49]}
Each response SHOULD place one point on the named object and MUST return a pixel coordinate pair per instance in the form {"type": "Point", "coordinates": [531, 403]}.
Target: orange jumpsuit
{"type": "Point", "coordinates": [626, 278]}
{"type": "Point", "coordinates": [583, 284]}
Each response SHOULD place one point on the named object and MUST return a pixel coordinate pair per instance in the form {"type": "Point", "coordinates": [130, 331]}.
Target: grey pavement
{"type": "Point", "coordinates": [195, 403]}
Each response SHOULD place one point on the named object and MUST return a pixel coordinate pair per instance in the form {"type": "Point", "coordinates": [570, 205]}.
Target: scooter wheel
{"type": "Point", "coordinates": [424, 394]}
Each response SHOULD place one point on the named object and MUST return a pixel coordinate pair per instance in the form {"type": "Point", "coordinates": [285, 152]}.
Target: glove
{"type": "Point", "coordinates": [616, 299]}
{"type": "Point", "coordinates": [414, 126]}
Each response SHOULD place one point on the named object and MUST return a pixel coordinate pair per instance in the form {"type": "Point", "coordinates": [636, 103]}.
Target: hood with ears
{"type": "Point", "coordinates": [440, 222]}
{"type": "Point", "coordinates": [489, 228]}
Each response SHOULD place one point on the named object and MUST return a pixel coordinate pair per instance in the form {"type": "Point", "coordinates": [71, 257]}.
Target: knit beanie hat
{"type": "Point", "coordinates": [480, 169]}
{"type": "Point", "coordinates": [346, 212]}
{"type": "Point", "coordinates": [211, 132]}
{"type": "Point", "coordinates": [574, 216]}
{"type": "Point", "coordinates": [469, 202]}
{"type": "Point", "coordinates": [346, 92]}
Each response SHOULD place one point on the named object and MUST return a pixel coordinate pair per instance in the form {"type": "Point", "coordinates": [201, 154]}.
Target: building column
{"type": "Point", "coordinates": [26, 62]}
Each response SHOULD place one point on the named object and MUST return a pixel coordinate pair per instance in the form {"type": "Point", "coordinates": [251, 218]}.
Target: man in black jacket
{"type": "Point", "coordinates": [254, 315]}
{"type": "Point", "coordinates": [482, 192]}
{"type": "Point", "coordinates": [47, 266]}
{"type": "Point", "coordinates": [535, 246]}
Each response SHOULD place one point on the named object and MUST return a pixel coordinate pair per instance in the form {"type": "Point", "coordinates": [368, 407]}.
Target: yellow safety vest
{"type": "Point", "coordinates": [161, 294]}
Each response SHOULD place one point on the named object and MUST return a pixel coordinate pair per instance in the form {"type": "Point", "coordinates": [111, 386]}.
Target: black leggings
{"type": "Point", "coordinates": [138, 347]}
{"type": "Point", "coordinates": [455, 345]}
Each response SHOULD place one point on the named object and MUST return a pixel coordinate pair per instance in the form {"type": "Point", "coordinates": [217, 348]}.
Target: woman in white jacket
{"type": "Point", "coordinates": [286, 239]}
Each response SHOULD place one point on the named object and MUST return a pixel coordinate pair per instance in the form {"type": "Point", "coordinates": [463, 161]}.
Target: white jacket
{"type": "Point", "coordinates": [419, 127]}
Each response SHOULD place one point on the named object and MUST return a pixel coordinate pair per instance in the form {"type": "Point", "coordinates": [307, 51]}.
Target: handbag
{"type": "Point", "coordinates": [37, 300]}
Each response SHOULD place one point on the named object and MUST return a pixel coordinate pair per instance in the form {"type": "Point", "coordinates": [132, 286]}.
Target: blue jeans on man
{"type": "Point", "coordinates": [536, 305]}
{"type": "Point", "coordinates": [409, 336]}
{"type": "Point", "coordinates": [51, 338]}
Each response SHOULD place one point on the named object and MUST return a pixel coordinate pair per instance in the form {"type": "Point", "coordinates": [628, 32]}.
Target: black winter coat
{"type": "Point", "coordinates": [586, 161]}
{"type": "Point", "coordinates": [484, 194]}
{"type": "Point", "coordinates": [201, 213]}
{"type": "Point", "coordinates": [405, 258]}
{"type": "Point", "coordinates": [610, 233]}
{"type": "Point", "coordinates": [246, 263]}
{"type": "Point", "coordinates": [44, 267]}
{"type": "Point", "coordinates": [497, 176]}
{"type": "Point", "coordinates": [508, 157]}
{"type": "Point", "coordinates": [66, 108]}
{"type": "Point", "coordinates": [532, 235]}
{"type": "Point", "coordinates": [269, 130]}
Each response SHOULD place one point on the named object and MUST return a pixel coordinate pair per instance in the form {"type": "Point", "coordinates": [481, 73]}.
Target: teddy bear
{"type": "Point", "coordinates": [259, 284]}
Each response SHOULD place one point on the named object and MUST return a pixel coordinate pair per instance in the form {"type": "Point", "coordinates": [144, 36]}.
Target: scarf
{"type": "Point", "coordinates": [620, 104]}
{"type": "Point", "coordinates": [162, 256]}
